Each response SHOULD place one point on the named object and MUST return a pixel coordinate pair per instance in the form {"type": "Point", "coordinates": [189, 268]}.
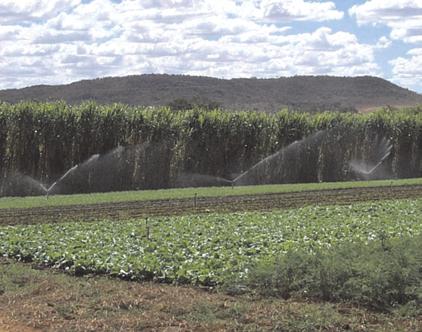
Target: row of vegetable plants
{"type": "Point", "coordinates": [207, 249]}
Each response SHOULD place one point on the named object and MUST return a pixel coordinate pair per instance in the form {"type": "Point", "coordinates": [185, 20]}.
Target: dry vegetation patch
{"type": "Point", "coordinates": [45, 300]}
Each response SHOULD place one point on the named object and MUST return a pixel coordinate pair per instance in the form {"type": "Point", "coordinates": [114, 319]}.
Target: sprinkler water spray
{"type": "Point", "coordinates": [64, 176]}
{"type": "Point", "coordinates": [364, 169]}
{"type": "Point", "coordinates": [90, 160]}
{"type": "Point", "coordinates": [85, 164]}
{"type": "Point", "coordinates": [195, 180]}
{"type": "Point", "coordinates": [259, 170]}
{"type": "Point", "coordinates": [274, 161]}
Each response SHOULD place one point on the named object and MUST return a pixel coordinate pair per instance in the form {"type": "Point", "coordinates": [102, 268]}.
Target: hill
{"type": "Point", "coordinates": [298, 92]}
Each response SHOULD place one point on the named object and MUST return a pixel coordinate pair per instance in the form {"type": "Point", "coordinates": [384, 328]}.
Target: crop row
{"type": "Point", "coordinates": [205, 249]}
{"type": "Point", "coordinates": [199, 205]}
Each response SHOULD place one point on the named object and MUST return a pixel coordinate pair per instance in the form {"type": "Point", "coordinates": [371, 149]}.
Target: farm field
{"type": "Point", "coordinates": [216, 243]}
{"type": "Point", "coordinates": [204, 249]}
{"type": "Point", "coordinates": [184, 166]}
{"type": "Point", "coordinates": [180, 193]}
{"type": "Point", "coordinates": [200, 201]}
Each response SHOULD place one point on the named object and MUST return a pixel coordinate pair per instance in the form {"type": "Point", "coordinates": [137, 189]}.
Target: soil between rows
{"type": "Point", "coordinates": [261, 202]}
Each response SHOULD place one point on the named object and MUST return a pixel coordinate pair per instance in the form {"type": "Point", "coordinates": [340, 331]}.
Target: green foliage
{"type": "Point", "coordinates": [182, 104]}
{"type": "Point", "coordinates": [43, 140]}
{"type": "Point", "coordinates": [179, 193]}
{"type": "Point", "coordinates": [381, 274]}
{"type": "Point", "coordinates": [216, 248]}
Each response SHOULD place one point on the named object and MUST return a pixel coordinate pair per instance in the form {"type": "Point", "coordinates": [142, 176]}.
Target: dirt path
{"type": "Point", "coordinates": [263, 202]}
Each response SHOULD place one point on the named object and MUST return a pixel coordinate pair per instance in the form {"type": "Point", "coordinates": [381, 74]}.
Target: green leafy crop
{"type": "Point", "coordinates": [205, 249]}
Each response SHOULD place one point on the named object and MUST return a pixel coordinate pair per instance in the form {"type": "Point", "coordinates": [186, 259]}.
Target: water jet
{"type": "Point", "coordinates": [201, 180]}
{"type": "Point", "coordinates": [368, 170]}
{"type": "Point", "coordinates": [64, 176]}
{"type": "Point", "coordinates": [269, 169]}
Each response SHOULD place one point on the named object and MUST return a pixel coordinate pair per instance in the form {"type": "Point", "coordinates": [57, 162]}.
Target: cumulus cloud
{"type": "Point", "coordinates": [384, 42]}
{"type": "Point", "coordinates": [408, 70]}
{"type": "Point", "coordinates": [70, 40]}
{"type": "Point", "coordinates": [22, 12]}
{"type": "Point", "coordinates": [404, 17]}
{"type": "Point", "coordinates": [162, 3]}
{"type": "Point", "coordinates": [61, 37]}
{"type": "Point", "coordinates": [300, 10]}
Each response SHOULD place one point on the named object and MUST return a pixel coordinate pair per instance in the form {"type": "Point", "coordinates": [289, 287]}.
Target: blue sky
{"type": "Point", "coordinates": [61, 41]}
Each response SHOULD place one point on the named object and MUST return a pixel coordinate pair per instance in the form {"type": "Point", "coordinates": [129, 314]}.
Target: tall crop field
{"type": "Point", "coordinates": [43, 140]}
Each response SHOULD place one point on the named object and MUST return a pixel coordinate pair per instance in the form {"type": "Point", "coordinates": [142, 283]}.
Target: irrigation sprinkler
{"type": "Point", "coordinates": [196, 179]}
{"type": "Point", "coordinates": [41, 186]}
{"type": "Point", "coordinates": [85, 164]}
{"type": "Point", "coordinates": [372, 170]}
{"type": "Point", "coordinates": [361, 167]}
{"type": "Point", "coordinates": [273, 160]}
{"type": "Point", "coordinates": [64, 176]}
{"type": "Point", "coordinates": [88, 164]}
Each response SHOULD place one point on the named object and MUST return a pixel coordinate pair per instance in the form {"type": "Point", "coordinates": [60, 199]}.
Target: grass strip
{"type": "Point", "coordinates": [177, 193]}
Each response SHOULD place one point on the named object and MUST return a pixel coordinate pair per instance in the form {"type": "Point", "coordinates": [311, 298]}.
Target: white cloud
{"type": "Point", "coordinates": [161, 3]}
{"type": "Point", "coordinates": [408, 70]}
{"type": "Point", "coordinates": [286, 10]}
{"type": "Point", "coordinates": [8, 32]}
{"type": "Point", "coordinates": [404, 17]}
{"type": "Point", "coordinates": [56, 37]}
{"type": "Point", "coordinates": [22, 12]}
{"type": "Point", "coordinates": [223, 38]}
{"type": "Point", "coordinates": [384, 42]}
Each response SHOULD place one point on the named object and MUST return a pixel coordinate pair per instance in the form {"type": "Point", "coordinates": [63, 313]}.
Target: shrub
{"type": "Point", "coordinates": [382, 274]}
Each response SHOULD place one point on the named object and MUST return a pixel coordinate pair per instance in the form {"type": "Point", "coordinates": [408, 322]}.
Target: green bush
{"type": "Point", "coordinates": [382, 274]}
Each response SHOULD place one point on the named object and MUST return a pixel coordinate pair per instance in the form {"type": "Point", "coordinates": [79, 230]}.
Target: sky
{"type": "Point", "coordinates": [62, 41]}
